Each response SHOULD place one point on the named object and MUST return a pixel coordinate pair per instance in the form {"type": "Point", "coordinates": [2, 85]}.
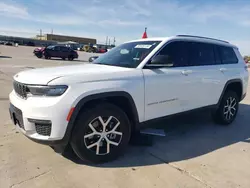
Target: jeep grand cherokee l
{"type": "Point", "coordinates": [94, 108]}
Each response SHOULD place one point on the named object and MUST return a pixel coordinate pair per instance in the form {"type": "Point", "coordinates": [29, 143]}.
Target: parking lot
{"type": "Point", "coordinates": [194, 153]}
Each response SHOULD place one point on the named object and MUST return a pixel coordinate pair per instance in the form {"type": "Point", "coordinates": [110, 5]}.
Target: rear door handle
{"type": "Point", "coordinates": [223, 69]}
{"type": "Point", "coordinates": [186, 72]}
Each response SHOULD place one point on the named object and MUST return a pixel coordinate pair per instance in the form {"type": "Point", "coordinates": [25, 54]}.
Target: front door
{"type": "Point", "coordinates": [170, 90]}
{"type": "Point", "coordinates": [55, 51]}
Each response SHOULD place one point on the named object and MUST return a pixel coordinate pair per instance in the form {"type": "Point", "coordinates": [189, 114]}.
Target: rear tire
{"type": "Point", "coordinates": [228, 109]}
{"type": "Point", "coordinates": [92, 142]}
{"type": "Point", "coordinates": [70, 58]}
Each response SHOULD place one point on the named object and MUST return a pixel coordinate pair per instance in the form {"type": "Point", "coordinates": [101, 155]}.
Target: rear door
{"type": "Point", "coordinates": [230, 64]}
{"type": "Point", "coordinates": [208, 80]}
{"type": "Point", "coordinates": [56, 52]}
{"type": "Point", "coordinates": [65, 52]}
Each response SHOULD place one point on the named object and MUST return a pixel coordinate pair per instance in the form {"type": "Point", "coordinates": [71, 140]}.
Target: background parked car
{"type": "Point", "coordinates": [56, 51]}
{"type": "Point", "coordinates": [9, 43]}
{"type": "Point", "coordinates": [38, 52]}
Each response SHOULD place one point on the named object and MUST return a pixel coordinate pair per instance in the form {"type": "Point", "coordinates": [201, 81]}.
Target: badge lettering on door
{"type": "Point", "coordinates": [160, 102]}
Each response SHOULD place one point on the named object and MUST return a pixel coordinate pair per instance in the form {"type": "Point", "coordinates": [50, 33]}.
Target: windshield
{"type": "Point", "coordinates": [127, 55]}
{"type": "Point", "coordinates": [50, 47]}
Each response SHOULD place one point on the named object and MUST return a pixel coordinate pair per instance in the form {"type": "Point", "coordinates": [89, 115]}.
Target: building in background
{"type": "Point", "coordinates": [63, 38]}
{"type": "Point", "coordinates": [26, 41]}
{"type": "Point", "coordinates": [52, 39]}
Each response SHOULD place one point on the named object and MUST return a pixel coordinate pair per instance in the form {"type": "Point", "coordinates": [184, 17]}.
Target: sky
{"type": "Point", "coordinates": [126, 19]}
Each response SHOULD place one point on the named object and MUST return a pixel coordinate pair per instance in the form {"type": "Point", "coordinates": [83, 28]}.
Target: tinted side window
{"type": "Point", "coordinates": [227, 55]}
{"type": "Point", "coordinates": [177, 53]}
{"type": "Point", "coordinates": [64, 49]}
{"type": "Point", "coordinates": [57, 48]}
{"type": "Point", "coordinates": [217, 55]}
{"type": "Point", "coordinates": [201, 54]}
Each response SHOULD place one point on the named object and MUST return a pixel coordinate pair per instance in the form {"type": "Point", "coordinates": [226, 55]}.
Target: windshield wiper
{"type": "Point", "coordinates": [103, 64]}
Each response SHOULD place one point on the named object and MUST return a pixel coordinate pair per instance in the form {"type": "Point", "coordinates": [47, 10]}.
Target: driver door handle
{"type": "Point", "coordinates": [186, 72]}
{"type": "Point", "coordinates": [223, 69]}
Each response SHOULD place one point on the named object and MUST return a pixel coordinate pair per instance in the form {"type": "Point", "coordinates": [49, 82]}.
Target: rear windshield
{"type": "Point", "coordinates": [127, 55]}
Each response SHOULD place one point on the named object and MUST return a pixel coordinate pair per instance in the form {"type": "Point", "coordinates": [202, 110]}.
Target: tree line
{"type": "Point", "coordinates": [247, 58]}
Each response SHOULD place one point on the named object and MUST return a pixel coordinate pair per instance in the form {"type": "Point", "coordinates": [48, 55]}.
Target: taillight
{"type": "Point", "coordinates": [246, 67]}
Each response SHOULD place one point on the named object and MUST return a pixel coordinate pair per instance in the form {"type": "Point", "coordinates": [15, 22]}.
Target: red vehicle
{"type": "Point", "coordinates": [102, 50]}
{"type": "Point", "coordinates": [38, 52]}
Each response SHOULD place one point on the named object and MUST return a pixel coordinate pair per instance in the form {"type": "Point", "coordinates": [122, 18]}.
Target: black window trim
{"type": "Point", "coordinates": [216, 48]}
{"type": "Point", "coordinates": [190, 41]}
{"type": "Point", "coordinates": [159, 50]}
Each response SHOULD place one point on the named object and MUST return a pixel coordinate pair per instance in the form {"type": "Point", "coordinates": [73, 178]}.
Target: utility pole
{"type": "Point", "coordinates": [41, 34]}
{"type": "Point", "coordinates": [52, 31]}
{"type": "Point", "coordinates": [114, 41]}
{"type": "Point", "coordinates": [106, 40]}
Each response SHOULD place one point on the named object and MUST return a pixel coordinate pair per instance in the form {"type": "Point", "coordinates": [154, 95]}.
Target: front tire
{"type": "Point", "coordinates": [228, 108]}
{"type": "Point", "coordinates": [101, 133]}
{"type": "Point", "coordinates": [46, 56]}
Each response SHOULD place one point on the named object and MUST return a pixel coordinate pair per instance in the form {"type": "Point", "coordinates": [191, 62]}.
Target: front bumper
{"type": "Point", "coordinates": [33, 112]}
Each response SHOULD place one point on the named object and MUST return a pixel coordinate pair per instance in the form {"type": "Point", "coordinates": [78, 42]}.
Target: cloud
{"type": "Point", "coordinates": [139, 7]}
{"type": "Point", "coordinates": [243, 46]}
{"type": "Point", "coordinates": [126, 19]}
{"type": "Point", "coordinates": [13, 10]}
{"type": "Point", "coordinates": [117, 22]}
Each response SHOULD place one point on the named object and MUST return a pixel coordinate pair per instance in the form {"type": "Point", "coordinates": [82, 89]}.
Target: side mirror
{"type": "Point", "coordinates": [91, 59]}
{"type": "Point", "coordinates": [160, 61]}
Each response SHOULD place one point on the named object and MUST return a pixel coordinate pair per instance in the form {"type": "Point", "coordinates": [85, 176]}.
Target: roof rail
{"type": "Point", "coordinates": [201, 38]}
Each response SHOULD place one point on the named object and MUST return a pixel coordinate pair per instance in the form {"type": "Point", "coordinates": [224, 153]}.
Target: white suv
{"type": "Point", "coordinates": [96, 107]}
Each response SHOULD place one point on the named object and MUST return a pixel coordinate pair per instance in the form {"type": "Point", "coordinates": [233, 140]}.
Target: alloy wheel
{"type": "Point", "coordinates": [102, 135]}
{"type": "Point", "coordinates": [230, 108]}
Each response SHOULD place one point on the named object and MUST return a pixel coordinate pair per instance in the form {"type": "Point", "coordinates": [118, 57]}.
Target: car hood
{"type": "Point", "coordinates": [39, 49]}
{"type": "Point", "coordinates": [43, 76]}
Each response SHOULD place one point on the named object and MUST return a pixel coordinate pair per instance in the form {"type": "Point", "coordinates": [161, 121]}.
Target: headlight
{"type": "Point", "coordinates": [47, 90]}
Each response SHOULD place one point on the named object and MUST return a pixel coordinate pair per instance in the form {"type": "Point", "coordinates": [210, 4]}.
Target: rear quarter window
{"type": "Point", "coordinates": [228, 55]}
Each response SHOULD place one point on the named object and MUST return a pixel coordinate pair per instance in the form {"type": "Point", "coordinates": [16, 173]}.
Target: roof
{"type": "Point", "coordinates": [188, 38]}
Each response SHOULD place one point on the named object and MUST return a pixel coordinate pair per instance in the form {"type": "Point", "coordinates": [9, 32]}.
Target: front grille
{"type": "Point", "coordinates": [43, 129]}
{"type": "Point", "coordinates": [20, 89]}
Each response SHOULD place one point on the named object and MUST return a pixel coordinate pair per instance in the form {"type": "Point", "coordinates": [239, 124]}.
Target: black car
{"type": "Point", "coordinates": [9, 44]}
{"type": "Point", "coordinates": [57, 51]}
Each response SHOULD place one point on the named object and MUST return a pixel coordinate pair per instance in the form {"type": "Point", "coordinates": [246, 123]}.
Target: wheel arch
{"type": "Point", "coordinates": [100, 97]}
{"type": "Point", "coordinates": [234, 84]}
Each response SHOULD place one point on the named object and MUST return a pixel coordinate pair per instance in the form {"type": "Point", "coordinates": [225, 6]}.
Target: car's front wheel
{"type": "Point", "coordinates": [228, 108]}
{"type": "Point", "coordinates": [101, 133]}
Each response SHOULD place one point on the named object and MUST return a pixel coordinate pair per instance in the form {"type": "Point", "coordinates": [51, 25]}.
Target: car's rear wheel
{"type": "Point", "coordinates": [228, 108]}
{"type": "Point", "coordinates": [70, 58]}
{"type": "Point", "coordinates": [101, 133]}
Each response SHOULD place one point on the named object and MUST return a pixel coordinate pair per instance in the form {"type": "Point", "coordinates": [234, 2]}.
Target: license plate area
{"type": "Point", "coordinates": [16, 116]}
